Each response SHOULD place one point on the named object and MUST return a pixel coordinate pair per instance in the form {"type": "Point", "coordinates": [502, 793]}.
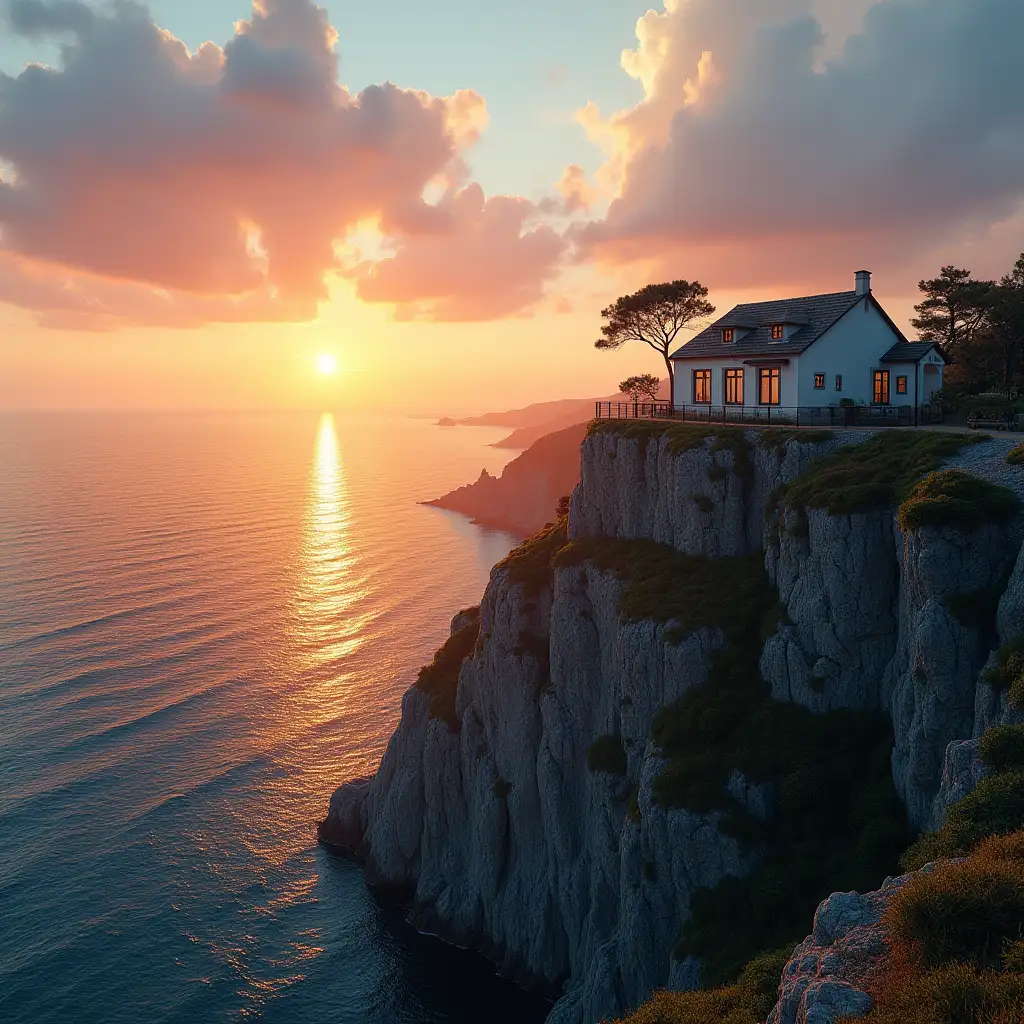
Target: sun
{"type": "Point", "coordinates": [326, 363]}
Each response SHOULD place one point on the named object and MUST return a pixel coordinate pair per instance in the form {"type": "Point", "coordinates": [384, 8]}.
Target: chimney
{"type": "Point", "coordinates": [863, 282]}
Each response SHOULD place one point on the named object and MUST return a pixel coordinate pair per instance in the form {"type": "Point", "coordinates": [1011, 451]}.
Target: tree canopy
{"type": "Point", "coordinates": [655, 315]}
{"type": "Point", "coordinates": [979, 324]}
{"type": "Point", "coordinates": [646, 385]}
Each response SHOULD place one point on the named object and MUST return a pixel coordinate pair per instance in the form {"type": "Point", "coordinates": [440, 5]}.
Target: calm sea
{"type": "Point", "coordinates": [206, 623]}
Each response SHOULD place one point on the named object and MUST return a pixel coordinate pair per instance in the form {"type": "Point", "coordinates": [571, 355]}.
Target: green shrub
{"type": "Point", "coordinates": [1015, 456]}
{"type": "Point", "coordinates": [531, 564]}
{"type": "Point", "coordinates": [776, 439]}
{"type": "Point", "coordinates": [977, 609]}
{"type": "Point", "coordinates": [1002, 748]}
{"type": "Point", "coordinates": [1008, 672]}
{"type": "Point", "coordinates": [995, 807]}
{"type": "Point", "coordinates": [956, 499]}
{"type": "Point", "coordinates": [607, 754]}
{"type": "Point", "coordinates": [961, 912]}
{"type": "Point", "coordinates": [662, 585]}
{"type": "Point", "coordinates": [877, 472]}
{"type": "Point", "coordinates": [440, 679]}
{"type": "Point", "coordinates": [749, 1001]}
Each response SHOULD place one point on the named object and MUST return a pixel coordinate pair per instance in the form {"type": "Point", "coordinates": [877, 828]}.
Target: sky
{"type": "Point", "coordinates": [200, 198]}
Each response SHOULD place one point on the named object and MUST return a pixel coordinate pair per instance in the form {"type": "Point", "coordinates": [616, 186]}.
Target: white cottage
{"type": "Point", "coordinates": [806, 353]}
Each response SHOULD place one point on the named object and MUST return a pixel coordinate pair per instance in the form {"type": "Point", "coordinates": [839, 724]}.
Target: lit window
{"type": "Point", "coordinates": [728, 335]}
{"type": "Point", "coordinates": [901, 385]}
{"type": "Point", "coordinates": [839, 382]}
{"type": "Point", "coordinates": [819, 382]}
{"type": "Point", "coordinates": [769, 381]}
{"type": "Point", "coordinates": [777, 332]}
{"type": "Point", "coordinates": [702, 387]}
{"type": "Point", "coordinates": [733, 387]}
{"type": "Point", "coordinates": [880, 387]}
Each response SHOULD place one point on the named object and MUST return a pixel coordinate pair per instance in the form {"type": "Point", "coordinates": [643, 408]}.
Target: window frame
{"type": "Point", "coordinates": [705, 377]}
{"type": "Point", "coordinates": [901, 384]}
{"type": "Point", "coordinates": [730, 375]}
{"type": "Point", "coordinates": [778, 332]}
{"type": "Point", "coordinates": [880, 392]}
{"type": "Point", "coordinates": [728, 335]}
{"type": "Point", "coordinates": [839, 382]}
{"type": "Point", "coordinates": [773, 375]}
{"type": "Point", "coordinates": [819, 377]}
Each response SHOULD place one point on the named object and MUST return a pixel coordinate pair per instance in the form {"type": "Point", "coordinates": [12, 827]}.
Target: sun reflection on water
{"type": "Point", "coordinates": [331, 588]}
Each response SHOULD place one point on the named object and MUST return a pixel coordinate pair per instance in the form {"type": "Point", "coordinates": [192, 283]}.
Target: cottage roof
{"type": "Point", "coordinates": [910, 352]}
{"type": "Point", "coordinates": [813, 315]}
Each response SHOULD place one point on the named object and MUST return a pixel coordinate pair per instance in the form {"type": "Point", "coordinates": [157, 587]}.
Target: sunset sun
{"type": "Point", "coordinates": [326, 364]}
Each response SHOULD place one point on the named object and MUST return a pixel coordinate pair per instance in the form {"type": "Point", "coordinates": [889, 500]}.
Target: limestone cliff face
{"type": "Point", "coordinates": [574, 880]}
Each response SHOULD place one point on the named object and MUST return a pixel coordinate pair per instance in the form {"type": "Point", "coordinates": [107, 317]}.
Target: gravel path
{"type": "Point", "coordinates": [988, 461]}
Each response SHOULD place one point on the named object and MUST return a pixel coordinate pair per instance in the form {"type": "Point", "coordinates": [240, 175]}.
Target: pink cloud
{"type": "Point", "coordinates": [488, 262]}
{"type": "Point", "coordinates": [221, 180]}
{"type": "Point", "coordinates": [762, 153]}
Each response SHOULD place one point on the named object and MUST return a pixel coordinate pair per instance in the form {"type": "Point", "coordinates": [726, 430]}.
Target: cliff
{"type": "Point", "coordinates": [523, 499]}
{"type": "Point", "coordinates": [715, 695]}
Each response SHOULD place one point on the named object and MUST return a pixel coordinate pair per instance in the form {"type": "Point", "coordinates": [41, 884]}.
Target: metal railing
{"type": "Point", "coordinates": [795, 416]}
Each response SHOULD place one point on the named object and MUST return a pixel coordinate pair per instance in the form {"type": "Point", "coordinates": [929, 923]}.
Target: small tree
{"type": "Point", "coordinates": [655, 315]}
{"type": "Point", "coordinates": [562, 508]}
{"type": "Point", "coordinates": [646, 385]}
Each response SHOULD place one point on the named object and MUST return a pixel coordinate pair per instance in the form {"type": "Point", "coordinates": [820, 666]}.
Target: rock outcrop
{"type": "Point", "coordinates": [572, 877]}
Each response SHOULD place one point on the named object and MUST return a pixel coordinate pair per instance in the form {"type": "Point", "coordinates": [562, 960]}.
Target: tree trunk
{"type": "Point", "coordinates": [671, 381]}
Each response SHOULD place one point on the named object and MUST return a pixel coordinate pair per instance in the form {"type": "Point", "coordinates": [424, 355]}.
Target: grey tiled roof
{"type": "Point", "coordinates": [816, 312]}
{"type": "Point", "coordinates": [908, 352]}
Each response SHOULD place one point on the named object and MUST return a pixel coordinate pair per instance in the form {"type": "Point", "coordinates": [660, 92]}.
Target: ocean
{"type": "Point", "coordinates": [207, 622]}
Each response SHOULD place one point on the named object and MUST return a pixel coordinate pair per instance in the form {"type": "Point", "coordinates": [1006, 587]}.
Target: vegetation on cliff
{"type": "Point", "coordinates": [995, 807]}
{"type": "Point", "coordinates": [440, 679]}
{"type": "Point", "coordinates": [953, 498]}
{"type": "Point", "coordinates": [748, 1001]}
{"type": "Point", "coordinates": [880, 471]}
{"type": "Point", "coordinates": [835, 817]}
{"type": "Point", "coordinates": [532, 563]}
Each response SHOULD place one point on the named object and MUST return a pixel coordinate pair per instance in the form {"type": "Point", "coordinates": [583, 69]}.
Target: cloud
{"type": "Point", "coordinates": [488, 262]}
{"type": "Point", "coordinates": [222, 180]}
{"type": "Point", "coordinates": [753, 159]}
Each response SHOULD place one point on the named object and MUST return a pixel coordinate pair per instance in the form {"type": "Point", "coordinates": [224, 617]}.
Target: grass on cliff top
{"type": "Point", "coordinates": [957, 499]}
{"type": "Point", "coordinates": [440, 679]}
{"type": "Point", "coordinates": [749, 1001]}
{"type": "Point", "coordinates": [880, 471]}
{"type": "Point", "coordinates": [682, 437]}
{"type": "Point", "coordinates": [683, 592]}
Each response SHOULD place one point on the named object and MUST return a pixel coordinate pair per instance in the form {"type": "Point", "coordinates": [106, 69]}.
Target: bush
{"type": "Point", "coordinates": [606, 754]}
{"type": "Point", "coordinates": [440, 679]}
{"type": "Point", "coordinates": [1002, 748]}
{"type": "Point", "coordinates": [749, 1001]}
{"type": "Point", "coordinates": [776, 440]}
{"type": "Point", "coordinates": [1008, 672]}
{"type": "Point", "coordinates": [1015, 456]}
{"type": "Point", "coordinates": [531, 564]}
{"type": "Point", "coordinates": [961, 912]}
{"type": "Point", "coordinates": [880, 471]}
{"type": "Point", "coordinates": [958, 994]}
{"type": "Point", "coordinates": [994, 808]}
{"type": "Point", "coordinates": [956, 499]}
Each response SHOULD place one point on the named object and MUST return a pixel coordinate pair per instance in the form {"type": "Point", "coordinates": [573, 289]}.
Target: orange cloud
{"type": "Point", "coordinates": [223, 180]}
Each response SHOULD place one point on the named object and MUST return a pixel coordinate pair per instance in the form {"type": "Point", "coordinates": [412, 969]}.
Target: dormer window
{"type": "Point", "coordinates": [778, 331]}
{"type": "Point", "coordinates": [728, 335]}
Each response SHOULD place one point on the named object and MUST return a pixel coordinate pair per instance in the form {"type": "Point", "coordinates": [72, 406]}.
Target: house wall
{"type": "Point", "coordinates": [853, 348]}
{"type": "Point", "coordinates": [683, 391]}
